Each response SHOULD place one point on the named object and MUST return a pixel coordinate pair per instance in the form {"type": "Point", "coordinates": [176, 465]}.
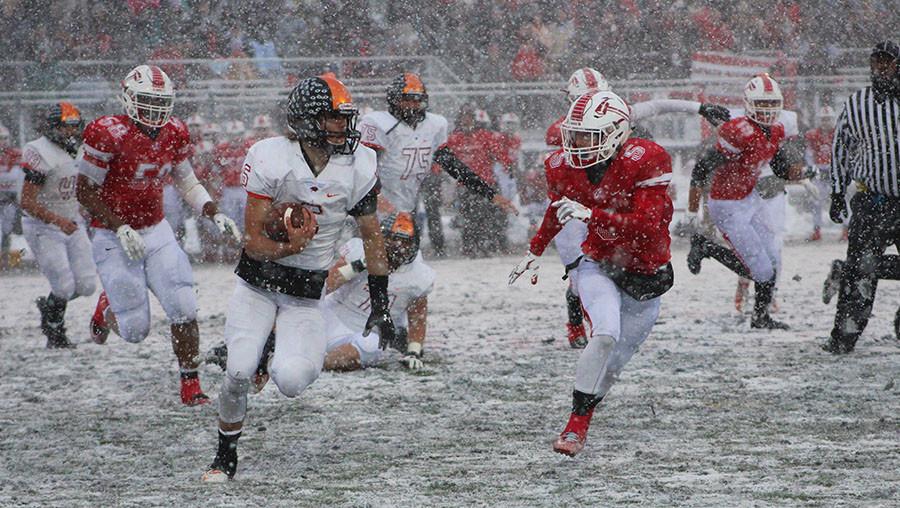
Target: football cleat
{"type": "Point", "coordinates": [695, 255]}
{"type": "Point", "coordinates": [766, 322]}
{"type": "Point", "coordinates": [192, 394]}
{"type": "Point", "coordinates": [215, 475]}
{"type": "Point", "coordinates": [52, 325]}
{"type": "Point", "coordinates": [577, 336]}
{"type": "Point", "coordinates": [217, 356]}
{"type": "Point", "coordinates": [99, 328]}
{"type": "Point", "coordinates": [741, 294]}
{"type": "Point", "coordinates": [837, 347]}
{"type": "Point", "coordinates": [815, 236]}
{"type": "Point", "coordinates": [261, 376]}
{"type": "Point", "coordinates": [572, 439]}
{"type": "Point", "coordinates": [833, 282]}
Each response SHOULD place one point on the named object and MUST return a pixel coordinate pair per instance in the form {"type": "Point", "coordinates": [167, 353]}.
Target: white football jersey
{"type": "Point", "coordinates": [350, 302]}
{"type": "Point", "coordinates": [405, 154]}
{"type": "Point", "coordinates": [276, 169]}
{"type": "Point", "coordinates": [60, 174]}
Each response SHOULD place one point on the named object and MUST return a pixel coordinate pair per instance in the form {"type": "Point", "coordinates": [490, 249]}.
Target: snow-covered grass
{"type": "Point", "coordinates": [707, 413]}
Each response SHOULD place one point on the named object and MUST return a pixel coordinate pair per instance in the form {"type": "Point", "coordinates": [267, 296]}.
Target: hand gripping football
{"type": "Point", "coordinates": [277, 218]}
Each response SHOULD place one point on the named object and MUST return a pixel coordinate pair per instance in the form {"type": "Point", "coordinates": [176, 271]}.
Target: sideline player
{"type": "Point", "coordinates": [11, 177]}
{"type": "Point", "coordinates": [280, 284]}
{"type": "Point", "coordinates": [120, 183]}
{"type": "Point", "coordinates": [53, 226]}
{"type": "Point", "coordinates": [617, 185]}
{"type": "Point", "coordinates": [568, 241]}
{"type": "Point", "coordinates": [408, 139]}
{"type": "Point", "coordinates": [748, 148]}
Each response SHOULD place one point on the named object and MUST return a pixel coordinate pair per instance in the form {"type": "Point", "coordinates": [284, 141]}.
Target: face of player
{"type": "Point", "coordinates": [767, 110]}
{"type": "Point", "coordinates": [154, 110]}
{"type": "Point", "coordinates": [335, 125]}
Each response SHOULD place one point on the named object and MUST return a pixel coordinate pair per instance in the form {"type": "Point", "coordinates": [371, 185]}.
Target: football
{"type": "Point", "coordinates": [275, 220]}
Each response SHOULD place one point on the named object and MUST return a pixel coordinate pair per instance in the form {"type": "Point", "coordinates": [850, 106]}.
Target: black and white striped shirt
{"type": "Point", "coordinates": [866, 145]}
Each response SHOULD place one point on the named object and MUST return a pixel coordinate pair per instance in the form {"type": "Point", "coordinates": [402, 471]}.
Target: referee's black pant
{"type": "Point", "coordinates": [874, 225]}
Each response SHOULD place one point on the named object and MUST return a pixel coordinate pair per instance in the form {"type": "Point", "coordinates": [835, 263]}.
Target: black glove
{"type": "Point", "coordinates": [838, 211]}
{"type": "Point", "coordinates": [380, 317]}
{"type": "Point", "coordinates": [714, 114]}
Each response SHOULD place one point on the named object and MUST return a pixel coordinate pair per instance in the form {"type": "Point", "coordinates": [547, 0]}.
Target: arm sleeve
{"type": "Point", "coordinates": [34, 166]}
{"type": "Point", "coordinates": [99, 149]}
{"type": "Point", "coordinates": [843, 149]}
{"type": "Point", "coordinates": [705, 167]}
{"type": "Point", "coordinates": [366, 186]}
{"type": "Point", "coordinates": [461, 173]}
{"type": "Point", "coordinates": [647, 109]}
{"type": "Point", "coordinates": [189, 187]}
{"type": "Point", "coordinates": [550, 225]}
{"type": "Point", "coordinates": [651, 207]}
{"type": "Point", "coordinates": [256, 178]}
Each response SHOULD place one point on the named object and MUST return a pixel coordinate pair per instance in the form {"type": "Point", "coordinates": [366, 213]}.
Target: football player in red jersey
{"type": "Point", "coordinates": [818, 156]}
{"type": "Point", "coordinates": [617, 185]}
{"type": "Point", "coordinates": [120, 183]}
{"type": "Point", "coordinates": [11, 178]}
{"type": "Point", "coordinates": [568, 241]}
{"type": "Point", "coordinates": [747, 148]}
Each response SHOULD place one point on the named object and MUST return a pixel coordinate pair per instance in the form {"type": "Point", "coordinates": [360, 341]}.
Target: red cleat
{"type": "Point", "coordinates": [99, 328]}
{"type": "Point", "coordinates": [577, 336]}
{"type": "Point", "coordinates": [571, 441]}
{"type": "Point", "coordinates": [191, 393]}
{"type": "Point", "coordinates": [815, 236]}
{"type": "Point", "coordinates": [740, 296]}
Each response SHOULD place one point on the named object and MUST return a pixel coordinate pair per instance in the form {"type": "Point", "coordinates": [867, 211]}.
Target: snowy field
{"type": "Point", "coordinates": [708, 413]}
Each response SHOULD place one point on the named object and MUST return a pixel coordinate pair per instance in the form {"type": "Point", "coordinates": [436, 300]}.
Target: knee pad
{"type": "Point", "coordinates": [134, 324]}
{"type": "Point", "coordinates": [294, 375]}
{"type": "Point", "coordinates": [185, 305]}
{"type": "Point", "coordinates": [369, 352]}
{"type": "Point", "coordinates": [233, 399]}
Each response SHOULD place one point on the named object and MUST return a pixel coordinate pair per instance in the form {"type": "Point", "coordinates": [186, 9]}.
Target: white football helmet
{"type": "Point", "coordinates": [763, 100]}
{"type": "Point", "coordinates": [583, 81]}
{"type": "Point", "coordinates": [509, 122]}
{"type": "Point", "coordinates": [262, 122]}
{"type": "Point", "coordinates": [482, 118]}
{"type": "Point", "coordinates": [235, 128]}
{"type": "Point", "coordinates": [595, 127]}
{"type": "Point", "coordinates": [148, 96]}
{"type": "Point", "coordinates": [825, 116]}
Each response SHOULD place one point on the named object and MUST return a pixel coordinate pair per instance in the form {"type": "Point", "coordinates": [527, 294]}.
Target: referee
{"type": "Point", "coordinates": [866, 149]}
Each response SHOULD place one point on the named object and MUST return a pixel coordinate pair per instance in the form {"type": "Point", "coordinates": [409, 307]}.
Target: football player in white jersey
{"type": "Point", "coordinates": [409, 140]}
{"type": "Point", "coordinates": [281, 283]}
{"type": "Point", "coordinates": [53, 226]}
{"type": "Point", "coordinates": [346, 307]}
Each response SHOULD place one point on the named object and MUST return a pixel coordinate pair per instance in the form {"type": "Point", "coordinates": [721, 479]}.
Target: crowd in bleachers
{"type": "Point", "coordinates": [487, 41]}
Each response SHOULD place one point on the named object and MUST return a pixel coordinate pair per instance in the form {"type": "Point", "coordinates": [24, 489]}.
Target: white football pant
{"type": "Point", "coordinates": [339, 334]}
{"type": "Point", "coordinates": [164, 270]}
{"type": "Point", "coordinates": [747, 225]}
{"type": "Point", "coordinates": [65, 260]}
{"type": "Point", "coordinates": [299, 344]}
{"type": "Point", "coordinates": [619, 325]}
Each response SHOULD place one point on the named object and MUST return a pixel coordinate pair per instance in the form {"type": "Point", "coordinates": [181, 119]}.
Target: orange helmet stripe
{"type": "Point", "coordinates": [339, 93]}
{"type": "Point", "coordinates": [69, 112]}
{"type": "Point", "coordinates": [413, 84]}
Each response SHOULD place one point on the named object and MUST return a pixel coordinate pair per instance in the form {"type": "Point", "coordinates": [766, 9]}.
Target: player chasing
{"type": "Point", "coordinates": [568, 241]}
{"type": "Point", "coordinates": [120, 183]}
{"type": "Point", "coordinates": [52, 224]}
{"type": "Point", "coordinates": [320, 173]}
{"type": "Point", "coordinates": [617, 186]}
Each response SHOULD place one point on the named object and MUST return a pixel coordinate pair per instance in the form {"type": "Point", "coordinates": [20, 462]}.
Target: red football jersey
{"type": "Point", "coordinates": [554, 134]}
{"type": "Point", "coordinates": [131, 167]}
{"type": "Point", "coordinates": [631, 209]}
{"type": "Point", "coordinates": [479, 149]}
{"type": "Point", "coordinates": [747, 149]}
{"type": "Point", "coordinates": [818, 141]}
{"type": "Point", "coordinates": [229, 158]}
